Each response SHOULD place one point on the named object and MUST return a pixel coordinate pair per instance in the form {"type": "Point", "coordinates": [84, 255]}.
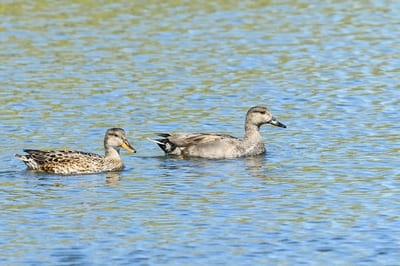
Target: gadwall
{"type": "Point", "coordinates": [218, 146]}
{"type": "Point", "coordinates": [77, 162]}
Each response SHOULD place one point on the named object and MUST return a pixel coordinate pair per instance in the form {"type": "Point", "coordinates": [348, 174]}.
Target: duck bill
{"type": "Point", "coordinates": [127, 146]}
{"type": "Point", "coordinates": [275, 122]}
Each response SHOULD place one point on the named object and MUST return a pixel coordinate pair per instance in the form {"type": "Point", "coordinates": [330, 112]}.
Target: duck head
{"type": "Point", "coordinates": [260, 115]}
{"type": "Point", "coordinates": [116, 138]}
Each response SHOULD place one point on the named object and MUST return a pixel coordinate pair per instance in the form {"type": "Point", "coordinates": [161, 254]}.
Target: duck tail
{"type": "Point", "coordinates": [21, 157]}
{"type": "Point", "coordinates": [164, 143]}
{"type": "Point", "coordinates": [28, 160]}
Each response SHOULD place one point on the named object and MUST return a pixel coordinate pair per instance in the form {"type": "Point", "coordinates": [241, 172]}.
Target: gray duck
{"type": "Point", "coordinates": [220, 146]}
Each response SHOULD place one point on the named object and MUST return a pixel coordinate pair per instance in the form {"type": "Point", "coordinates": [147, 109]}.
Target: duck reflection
{"type": "Point", "coordinates": [255, 163]}
{"type": "Point", "coordinates": [113, 178]}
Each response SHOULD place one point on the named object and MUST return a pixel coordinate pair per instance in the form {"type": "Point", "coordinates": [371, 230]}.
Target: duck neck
{"type": "Point", "coordinates": [252, 133]}
{"type": "Point", "coordinates": [112, 153]}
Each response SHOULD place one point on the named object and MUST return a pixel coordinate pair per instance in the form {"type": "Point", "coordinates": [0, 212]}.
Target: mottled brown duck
{"type": "Point", "coordinates": [76, 162]}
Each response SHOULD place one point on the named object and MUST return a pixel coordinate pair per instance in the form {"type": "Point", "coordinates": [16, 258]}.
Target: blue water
{"type": "Point", "coordinates": [326, 192]}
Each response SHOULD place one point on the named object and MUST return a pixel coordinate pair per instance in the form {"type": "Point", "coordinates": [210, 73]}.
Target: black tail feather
{"type": "Point", "coordinates": [164, 135]}
{"type": "Point", "coordinates": [164, 143]}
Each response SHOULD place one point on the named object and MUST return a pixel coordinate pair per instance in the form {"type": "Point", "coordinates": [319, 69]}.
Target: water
{"type": "Point", "coordinates": [325, 193]}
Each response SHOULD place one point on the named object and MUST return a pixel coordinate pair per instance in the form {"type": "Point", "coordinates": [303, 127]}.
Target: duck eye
{"type": "Point", "coordinates": [262, 112]}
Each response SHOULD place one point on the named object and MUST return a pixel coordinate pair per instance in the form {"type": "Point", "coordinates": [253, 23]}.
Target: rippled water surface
{"type": "Point", "coordinates": [327, 192]}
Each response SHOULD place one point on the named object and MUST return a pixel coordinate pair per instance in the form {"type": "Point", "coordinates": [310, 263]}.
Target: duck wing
{"type": "Point", "coordinates": [184, 140]}
{"type": "Point", "coordinates": [43, 157]}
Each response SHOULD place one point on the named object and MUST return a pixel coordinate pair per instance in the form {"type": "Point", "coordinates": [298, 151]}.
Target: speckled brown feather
{"type": "Point", "coordinates": [64, 162]}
